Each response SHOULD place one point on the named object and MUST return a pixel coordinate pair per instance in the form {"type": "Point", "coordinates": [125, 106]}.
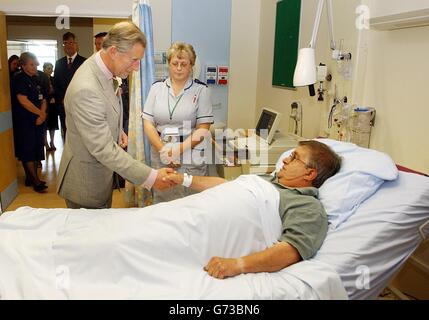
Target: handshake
{"type": "Point", "coordinates": [167, 178]}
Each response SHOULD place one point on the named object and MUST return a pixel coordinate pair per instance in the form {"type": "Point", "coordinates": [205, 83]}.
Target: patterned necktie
{"type": "Point", "coordinates": [115, 85]}
{"type": "Point", "coordinates": [69, 65]}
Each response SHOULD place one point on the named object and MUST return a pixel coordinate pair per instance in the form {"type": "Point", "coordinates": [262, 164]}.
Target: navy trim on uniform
{"type": "Point", "coordinates": [200, 82]}
{"type": "Point", "coordinates": [204, 117]}
{"type": "Point", "coordinates": [162, 80]}
{"type": "Point", "coordinates": [148, 114]}
{"type": "Point", "coordinates": [192, 83]}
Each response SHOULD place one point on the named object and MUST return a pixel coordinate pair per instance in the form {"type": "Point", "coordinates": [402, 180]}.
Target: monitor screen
{"type": "Point", "coordinates": [266, 121]}
{"type": "Point", "coordinates": [269, 120]}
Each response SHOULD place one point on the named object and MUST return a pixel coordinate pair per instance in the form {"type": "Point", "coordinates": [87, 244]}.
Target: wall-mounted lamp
{"type": "Point", "coordinates": [305, 70]}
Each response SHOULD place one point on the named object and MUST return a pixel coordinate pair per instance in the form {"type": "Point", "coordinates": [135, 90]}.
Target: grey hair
{"type": "Point", "coordinates": [27, 56]}
{"type": "Point", "coordinates": [323, 159]}
{"type": "Point", "coordinates": [47, 64]}
{"type": "Point", "coordinates": [124, 35]}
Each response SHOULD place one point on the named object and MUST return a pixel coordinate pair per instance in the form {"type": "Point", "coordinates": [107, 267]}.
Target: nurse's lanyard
{"type": "Point", "coordinates": [171, 112]}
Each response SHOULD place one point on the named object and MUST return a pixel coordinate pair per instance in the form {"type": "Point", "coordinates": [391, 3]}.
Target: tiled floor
{"type": "Point", "coordinates": [28, 197]}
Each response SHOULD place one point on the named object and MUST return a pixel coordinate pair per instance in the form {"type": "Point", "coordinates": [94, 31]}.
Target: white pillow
{"type": "Point", "coordinates": [362, 172]}
{"type": "Point", "coordinates": [389, 221]}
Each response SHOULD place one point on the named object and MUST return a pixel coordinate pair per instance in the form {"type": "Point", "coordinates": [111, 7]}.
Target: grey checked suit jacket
{"type": "Point", "coordinates": [91, 153]}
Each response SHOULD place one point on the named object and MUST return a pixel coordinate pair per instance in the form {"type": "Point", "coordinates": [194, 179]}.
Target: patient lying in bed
{"type": "Point", "coordinates": [159, 252]}
{"type": "Point", "coordinates": [304, 220]}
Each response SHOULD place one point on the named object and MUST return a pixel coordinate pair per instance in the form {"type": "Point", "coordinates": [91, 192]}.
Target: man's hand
{"type": "Point", "coordinates": [124, 140]}
{"type": "Point", "coordinates": [176, 178]}
{"type": "Point", "coordinates": [221, 268]}
{"type": "Point", "coordinates": [162, 182]}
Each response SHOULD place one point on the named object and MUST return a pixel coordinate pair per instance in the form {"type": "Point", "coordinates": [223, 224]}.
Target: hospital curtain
{"type": "Point", "coordinates": [141, 81]}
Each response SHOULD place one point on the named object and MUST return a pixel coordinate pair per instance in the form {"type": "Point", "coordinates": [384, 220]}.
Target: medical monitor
{"type": "Point", "coordinates": [269, 120]}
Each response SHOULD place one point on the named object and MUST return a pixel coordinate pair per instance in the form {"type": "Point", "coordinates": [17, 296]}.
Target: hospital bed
{"type": "Point", "coordinates": [370, 248]}
{"type": "Point", "coordinates": [158, 252]}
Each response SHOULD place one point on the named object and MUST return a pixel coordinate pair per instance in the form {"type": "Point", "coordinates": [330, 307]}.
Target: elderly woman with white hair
{"type": "Point", "coordinates": [29, 116]}
{"type": "Point", "coordinates": [177, 117]}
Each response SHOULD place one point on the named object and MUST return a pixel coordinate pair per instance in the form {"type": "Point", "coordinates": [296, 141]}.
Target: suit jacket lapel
{"type": "Point", "coordinates": [106, 85]}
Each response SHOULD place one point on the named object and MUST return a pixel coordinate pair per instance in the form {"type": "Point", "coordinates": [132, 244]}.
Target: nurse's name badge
{"type": "Point", "coordinates": [170, 135]}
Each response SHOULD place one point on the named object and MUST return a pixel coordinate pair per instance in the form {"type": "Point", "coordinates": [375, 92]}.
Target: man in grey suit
{"type": "Point", "coordinates": [93, 147]}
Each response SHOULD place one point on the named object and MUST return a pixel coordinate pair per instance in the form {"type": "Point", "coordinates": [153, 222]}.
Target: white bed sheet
{"type": "Point", "coordinates": [376, 241]}
{"type": "Point", "coordinates": [156, 252]}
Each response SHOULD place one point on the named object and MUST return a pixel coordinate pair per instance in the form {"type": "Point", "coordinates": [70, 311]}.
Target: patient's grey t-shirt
{"type": "Point", "coordinates": [305, 222]}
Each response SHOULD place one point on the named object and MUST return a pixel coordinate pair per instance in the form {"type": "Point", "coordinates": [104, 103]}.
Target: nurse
{"type": "Point", "coordinates": [177, 117]}
{"type": "Point", "coordinates": [29, 115]}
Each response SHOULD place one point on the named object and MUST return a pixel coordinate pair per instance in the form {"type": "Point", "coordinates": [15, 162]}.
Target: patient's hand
{"type": "Point", "coordinates": [162, 182]}
{"type": "Point", "coordinates": [176, 178]}
{"type": "Point", "coordinates": [222, 267]}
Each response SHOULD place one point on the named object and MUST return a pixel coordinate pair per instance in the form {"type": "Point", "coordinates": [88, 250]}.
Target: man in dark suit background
{"type": "Point", "coordinates": [65, 68]}
{"type": "Point", "coordinates": [98, 40]}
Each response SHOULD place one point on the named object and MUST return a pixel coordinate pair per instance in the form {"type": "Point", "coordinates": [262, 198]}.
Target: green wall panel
{"type": "Point", "coordinates": [288, 17]}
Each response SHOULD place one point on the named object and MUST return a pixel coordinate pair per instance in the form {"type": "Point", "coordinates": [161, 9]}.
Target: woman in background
{"type": "Point", "coordinates": [13, 62]}
{"type": "Point", "coordinates": [177, 117]}
{"type": "Point", "coordinates": [29, 115]}
{"type": "Point", "coordinates": [52, 119]}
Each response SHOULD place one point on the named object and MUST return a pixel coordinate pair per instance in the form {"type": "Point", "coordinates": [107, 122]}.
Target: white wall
{"type": "Point", "coordinates": [161, 18]}
{"type": "Point", "coordinates": [244, 51]}
{"type": "Point", "coordinates": [78, 8]}
{"type": "Point", "coordinates": [396, 84]}
{"type": "Point", "coordinates": [390, 7]}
